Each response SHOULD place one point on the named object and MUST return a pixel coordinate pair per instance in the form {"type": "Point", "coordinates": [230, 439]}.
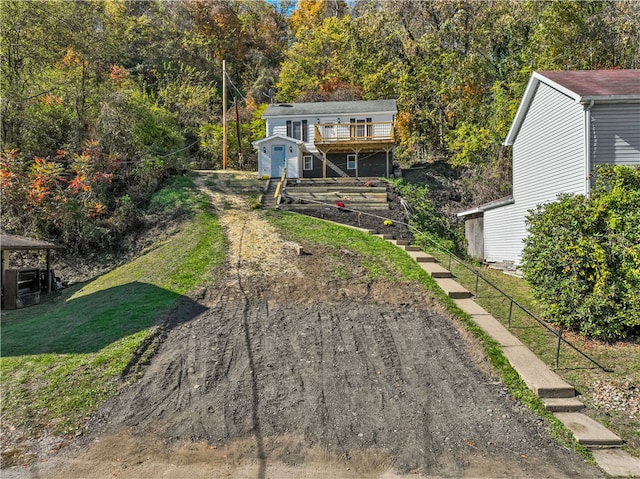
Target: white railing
{"type": "Point", "coordinates": [349, 132]}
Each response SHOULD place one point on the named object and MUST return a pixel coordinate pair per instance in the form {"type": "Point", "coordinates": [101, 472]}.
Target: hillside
{"type": "Point", "coordinates": [338, 361]}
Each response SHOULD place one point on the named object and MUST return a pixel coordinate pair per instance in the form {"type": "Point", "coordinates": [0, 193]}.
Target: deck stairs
{"type": "Point", "coordinates": [335, 168]}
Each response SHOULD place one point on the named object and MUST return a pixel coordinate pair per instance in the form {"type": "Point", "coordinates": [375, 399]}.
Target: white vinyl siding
{"type": "Point", "coordinates": [548, 159]}
{"type": "Point", "coordinates": [615, 134]}
{"type": "Point", "coordinates": [266, 161]}
{"type": "Point", "coordinates": [504, 230]}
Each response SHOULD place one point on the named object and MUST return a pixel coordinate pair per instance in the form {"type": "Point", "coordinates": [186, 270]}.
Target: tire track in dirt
{"type": "Point", "coordinates": [289, 374]}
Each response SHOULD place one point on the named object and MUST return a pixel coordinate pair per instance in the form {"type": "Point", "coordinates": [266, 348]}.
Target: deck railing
{"type": "Point", "coordinates": [354, 132]}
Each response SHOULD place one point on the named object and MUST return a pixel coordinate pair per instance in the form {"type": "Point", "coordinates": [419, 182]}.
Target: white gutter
{"type": "Point", "coordinates": [587, 145]}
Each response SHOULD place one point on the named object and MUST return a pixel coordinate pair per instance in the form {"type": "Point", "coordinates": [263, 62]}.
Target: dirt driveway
{"type": "Point", "coordinates": [290, 374]}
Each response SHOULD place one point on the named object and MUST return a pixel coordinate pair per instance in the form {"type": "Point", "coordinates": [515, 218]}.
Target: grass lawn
{"type": "Point", "coordinates": [61, 358]}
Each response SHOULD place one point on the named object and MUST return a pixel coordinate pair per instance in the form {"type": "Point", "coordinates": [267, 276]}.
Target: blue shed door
{"type": "Point", "coordinates": [277, 161]}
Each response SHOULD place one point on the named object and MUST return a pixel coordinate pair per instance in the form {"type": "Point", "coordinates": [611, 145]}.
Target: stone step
{"type": "Point", "coordinates": [453, 289]}
{"type": "Point", "coordinates": [401, 242]}
{"type": "Point", "coordinates": [411, 247]}
{"type": "Point", "coordinates": [588, 432]}
{"type": "Point", "coordinates": [563, 404]}
{"type": "Point", "coordinates": [435, 270]}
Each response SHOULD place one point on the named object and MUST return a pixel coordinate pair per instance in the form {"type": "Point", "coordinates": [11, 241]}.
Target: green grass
{"type": "Point", "coordinates": [60, 359]}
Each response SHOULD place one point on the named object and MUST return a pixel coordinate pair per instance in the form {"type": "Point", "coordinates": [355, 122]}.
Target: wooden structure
{"type": "Point", "coordinates": [21, 287]}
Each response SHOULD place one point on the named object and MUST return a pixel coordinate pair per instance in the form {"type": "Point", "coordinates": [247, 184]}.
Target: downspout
{"type": "Point", "coordinates": [587, 136]}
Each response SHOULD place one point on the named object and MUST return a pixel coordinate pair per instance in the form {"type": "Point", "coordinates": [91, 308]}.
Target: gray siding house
{"type": "Point", "coordinates": [328, 139]}
{"type": "Point", "coordinates": [568, 122]}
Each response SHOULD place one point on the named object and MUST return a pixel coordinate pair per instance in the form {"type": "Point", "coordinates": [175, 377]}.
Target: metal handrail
{"type": "Point", "coordinates": [556, 331]}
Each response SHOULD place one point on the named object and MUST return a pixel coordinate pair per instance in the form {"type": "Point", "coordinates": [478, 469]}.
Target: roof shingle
{"type": "Point", "coordinates": [598, 83]}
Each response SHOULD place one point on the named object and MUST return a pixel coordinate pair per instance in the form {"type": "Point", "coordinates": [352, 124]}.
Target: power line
{"type": "Point", "coordinates": [178, 151]}
{"type": "Point", "coordinates": [235, 87]}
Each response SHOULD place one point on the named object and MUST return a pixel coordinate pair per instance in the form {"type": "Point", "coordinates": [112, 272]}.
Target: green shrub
{"type": "Point", "coordinates": [428, 224]}
{"type": "Point", "coordinates": [582, 257]}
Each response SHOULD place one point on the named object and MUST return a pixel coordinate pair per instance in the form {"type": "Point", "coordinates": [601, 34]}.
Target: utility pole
{"type": "Point", "coordinates": [224, 115]}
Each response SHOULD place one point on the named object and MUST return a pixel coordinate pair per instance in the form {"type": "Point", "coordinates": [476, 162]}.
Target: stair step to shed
{"type": "Point", "coordinates": [563, 404]}
{"type": "Point", "coordinates": [587, 431]}
{"type": "Point", "coordinates": [616, 462]}
{"type": "Point", "coordinates": [425, 258]}
{"type": "Point", "coordinates": [453, 289]}
{"type": "Point", "coordinates": [421, 257]}
{"type": "Point", "coordinates": [435, 270]}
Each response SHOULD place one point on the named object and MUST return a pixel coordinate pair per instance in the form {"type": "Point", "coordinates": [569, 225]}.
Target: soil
{"type": "Point", "coordinates": [370, 219]}
{"type": "Point", "coordinates": [283, 371]}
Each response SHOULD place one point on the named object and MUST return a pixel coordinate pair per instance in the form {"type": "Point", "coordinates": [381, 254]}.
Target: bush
{"type": "Point", "coordinates": [428, 224]}
{"type": "Point", "coordinates": [582, 257]}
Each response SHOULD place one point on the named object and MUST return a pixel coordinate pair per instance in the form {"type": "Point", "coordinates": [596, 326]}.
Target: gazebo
{"type": "Point", "coordinates": [19, 284]}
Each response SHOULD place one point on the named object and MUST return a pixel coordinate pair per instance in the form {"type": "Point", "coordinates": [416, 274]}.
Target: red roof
{"type": "Point", "coordinates": [597, 83]}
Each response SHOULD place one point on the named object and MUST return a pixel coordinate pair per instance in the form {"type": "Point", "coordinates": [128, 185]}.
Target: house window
{"type": "Point", "coordinates": [298, 130]}
{"type": "Point", "coordinates": [351, 162]}
{"type": "Point", "coordinates": [307, 162]}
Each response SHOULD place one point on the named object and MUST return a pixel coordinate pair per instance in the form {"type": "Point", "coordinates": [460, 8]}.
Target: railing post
{"type": "Point", "coordinates": [449, 268]}
{"type": "Point", "coordinates": [510, 311]}
{"type": "Point", "coordinates": [558, 348]}
{"type": "Point", "coordinates": [477, 277]}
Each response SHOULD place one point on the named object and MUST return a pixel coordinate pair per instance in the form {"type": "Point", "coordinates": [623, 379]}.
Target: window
{"type": "Point", "coordinates": [307, 162]}
{"type": "Point", "coordinates": [351, 162]}
{"type": "Point", "coordinates": [298, 130]}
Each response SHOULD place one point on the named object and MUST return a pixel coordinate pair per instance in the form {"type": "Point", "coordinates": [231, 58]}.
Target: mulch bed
{"type": "Point", "coordinates": [368, 219]}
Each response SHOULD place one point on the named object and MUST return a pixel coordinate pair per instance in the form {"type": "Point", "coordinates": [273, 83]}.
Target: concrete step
{"type": "Point", "coordinates": [536, 374]}
{"type": "Point", "coordinates": [616, 462]}
{"type": "Point", "coordinates": [421, 257]}
{"type": "Point", "coordinates": [411, 247]}
{"type": "Point", "coordinates": [435, 270]}
{"type": "Point", "coordinates": [403, 242]}
{"type": "Point", "coordinates": [588, 432]}
{"type": "Point", "coordinates": [563, 404]}
{"type": "Point", "coordinates": [385, 236]}
{"type": "Point", "coordinates": [453, 289]}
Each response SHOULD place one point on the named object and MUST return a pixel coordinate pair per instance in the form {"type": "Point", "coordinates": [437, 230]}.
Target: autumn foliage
{"type": "Point", "coordinates": [64, 197]}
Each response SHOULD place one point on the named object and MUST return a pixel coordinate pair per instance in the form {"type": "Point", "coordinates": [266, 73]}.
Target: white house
{"type": "Point", "coordinates": [328, 139]}
{"type": "Point", "coordinates": [568, 122]}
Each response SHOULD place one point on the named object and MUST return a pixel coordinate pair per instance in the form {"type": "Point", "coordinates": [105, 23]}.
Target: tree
{"type": "Point", "coordinates": [316, 67]}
